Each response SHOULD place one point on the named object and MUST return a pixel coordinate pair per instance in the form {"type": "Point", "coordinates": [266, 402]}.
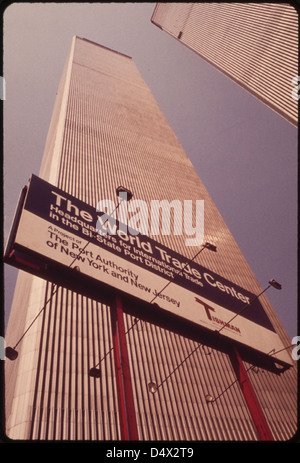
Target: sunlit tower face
{"type": "Point", "coordinates": [107, 131]}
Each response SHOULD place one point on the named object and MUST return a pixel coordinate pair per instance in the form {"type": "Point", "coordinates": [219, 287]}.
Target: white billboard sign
{"type": "Point", "coordinates": [59, 227]}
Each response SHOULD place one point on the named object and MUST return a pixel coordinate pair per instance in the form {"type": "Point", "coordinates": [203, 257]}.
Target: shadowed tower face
{"type": "Point", "coordinates": [254, 44]}
{"type": "Point", "coordinates": [107, 130]}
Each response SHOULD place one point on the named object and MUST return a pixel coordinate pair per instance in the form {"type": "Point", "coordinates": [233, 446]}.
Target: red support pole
{"type": "Point", "coordinates": [262, 427]}
{"type": "Point", "coordinates": [128, 422]}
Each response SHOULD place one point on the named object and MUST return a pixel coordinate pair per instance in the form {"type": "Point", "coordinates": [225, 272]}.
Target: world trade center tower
{"type": "Point", "coordinates": [186, 384]}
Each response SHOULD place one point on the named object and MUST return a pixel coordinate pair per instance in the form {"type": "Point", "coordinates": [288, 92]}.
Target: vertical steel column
{"type": "Point", "coordinates": [262, 427]}
{"type": "Point", "coordinates": [128, 422]}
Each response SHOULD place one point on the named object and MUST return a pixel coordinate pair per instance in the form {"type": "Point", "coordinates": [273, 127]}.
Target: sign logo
{"type": "Point", "coordinates": [208, 309]}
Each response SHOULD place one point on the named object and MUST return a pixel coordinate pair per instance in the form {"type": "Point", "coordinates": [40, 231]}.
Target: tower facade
{"type": "Point", "coordinates": [254, 44]}
{"type": "Point", "coordinates": [107, 130]}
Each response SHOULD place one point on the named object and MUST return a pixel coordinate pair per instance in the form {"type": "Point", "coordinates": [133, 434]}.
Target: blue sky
{"type": "Point", "coordinates": [245, 154]}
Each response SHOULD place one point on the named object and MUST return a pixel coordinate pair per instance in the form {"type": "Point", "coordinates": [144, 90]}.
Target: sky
{"type": "Point", "coordinates": [245, 154]}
